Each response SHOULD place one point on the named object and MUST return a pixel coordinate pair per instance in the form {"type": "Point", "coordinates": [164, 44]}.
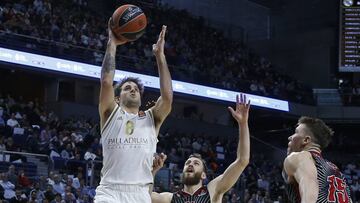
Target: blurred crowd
{"type": "Point", "coordinates": [196, 52]}
{"type": "Point", "coordinates": [26, 126]}
{"type": "Point", "coordinates": [350, 92]}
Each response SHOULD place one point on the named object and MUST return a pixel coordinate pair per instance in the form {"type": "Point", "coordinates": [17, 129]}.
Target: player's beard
{"type": "Point", "coordinates": [186, 180]}
{"type": "Point", "coordinates": [132, 102]}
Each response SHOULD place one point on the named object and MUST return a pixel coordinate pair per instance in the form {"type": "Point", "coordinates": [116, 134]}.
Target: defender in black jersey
{"type": "Point", "coordinates": [309, 177]}
{"type": "Point", "coordinates": [194, 171]}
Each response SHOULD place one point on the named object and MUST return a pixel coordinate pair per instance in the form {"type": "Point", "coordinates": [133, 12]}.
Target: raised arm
{"type": "Point", "coordinates": [164, 197]}
{"type": "Point", "coordinates": [106, 99]}
{"type": "Point", "coordinates": [162, 107]}
{"type": "Point", "coordinates": [224, 182]}
{"type": "Point", "coordinates": [300, 166]}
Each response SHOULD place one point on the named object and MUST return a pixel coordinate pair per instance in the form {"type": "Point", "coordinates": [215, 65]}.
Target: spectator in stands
{"type": "Point", "coordinates": [42, 183]}
{"type": "Point", "coordinates": [9, 188]}
{"type": "Point", "coordinates": [68, 195]}
{"type": "Point", "coordinates": [11, 175]}
{"type": "Point", "coordinates": [67, 153]}
{"type": "Point", "coordinates": [196, 145]}
{"type": "Point", "coordinates": [40, 194]}
{"type": "Point", "coordinates": [12, 122]}
{"type": "Point", "coordinates": [2, 121]}
{"type": "Point", "coordinates": [2, 144]}
{"type": "Point", "coordinates": [59, 187]}
{"type": "Point", "coordinates": [89, 155]}
{"type": "Point", "coordinates": [51, 179]}
{"type": "Point", "coordinates": [20, 197]}
{"type": "Point", "coordinates": [69, 183]}
{"type": "Point", "coordinates": [23, 180]}
{"type": "Point", "coordinates": [45, 136]}
{"type": "Point", "coordinates": [49, 193]}
{"type": "Point", "coordinates": [32, 141]}
{"type": "Point", "coordinates": [57, 199]}
{"type": "Point", "coordinates": [355, 188]}
{"type": "Point", "coordinates": [11, 146]}
{"type": "Point", "coordinates": [263, 183]}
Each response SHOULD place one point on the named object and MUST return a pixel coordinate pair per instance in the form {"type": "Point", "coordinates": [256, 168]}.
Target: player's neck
{"type": "Point", "coordinates": [191, 189]}
{"type": "Point", "coordinates": [133, 110]}
{"type": "Point", "coordinates": [313, 147]}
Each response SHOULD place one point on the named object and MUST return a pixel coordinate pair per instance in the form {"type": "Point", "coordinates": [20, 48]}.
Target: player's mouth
{"type": "Point", "coordinates": [190, 169]}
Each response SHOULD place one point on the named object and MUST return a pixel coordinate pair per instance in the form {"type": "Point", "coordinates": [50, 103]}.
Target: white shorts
{"type": "Point", "coordinates": [122, 194]}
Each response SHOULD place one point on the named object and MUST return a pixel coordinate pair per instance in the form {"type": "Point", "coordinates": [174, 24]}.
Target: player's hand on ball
{"type": "Point", "coordinates": [112, 38]}
{"type": "Point", "coordinates": [158, 48]}
{"type": "Point", "coordinates": [241, 113]}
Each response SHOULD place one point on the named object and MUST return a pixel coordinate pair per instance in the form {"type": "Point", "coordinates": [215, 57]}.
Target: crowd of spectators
{"type": "Point", "coordinates": [195, 51]}
{"type": "Point", "coordinates": [26, 126]}
{"type": "Point", "coordinates": [43, 132]}
{"type": "Point", "coordinates": [72, 139]}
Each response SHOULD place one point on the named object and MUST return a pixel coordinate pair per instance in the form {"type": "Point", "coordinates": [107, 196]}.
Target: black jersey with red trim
{"type": "Point", "coordinates": [332, 183]}
{"type": "Point", "coordinates": [200, 196]}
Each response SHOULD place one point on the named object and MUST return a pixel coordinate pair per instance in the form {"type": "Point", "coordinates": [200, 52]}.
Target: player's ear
{"type": "Point", "coordinates": [117, 99]}
{"type": "Point", "coordinates": [307, 139]}
{"type": "Point", "coordinates": [203, 175]}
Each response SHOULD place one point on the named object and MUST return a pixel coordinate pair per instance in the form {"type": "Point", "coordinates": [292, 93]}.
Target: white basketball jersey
{"type": "Point", "coordinates": [128, 144]}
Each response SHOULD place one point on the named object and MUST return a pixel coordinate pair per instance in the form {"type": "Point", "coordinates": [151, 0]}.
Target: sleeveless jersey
{"type": "Point", "coordinates": [128, 145]}
{"type": "Point", "coordinates": [332, 183]}
{"type": "Point", "coordinates": [200, 196]}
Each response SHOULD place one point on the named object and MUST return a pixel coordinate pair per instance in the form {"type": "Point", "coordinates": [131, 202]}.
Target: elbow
{"type": "Point", "coordinates": [243, 162]}
{"type": "Point", "coordinates": [105, 82]}
{"type": "Point", "coordinates": [168, 98]}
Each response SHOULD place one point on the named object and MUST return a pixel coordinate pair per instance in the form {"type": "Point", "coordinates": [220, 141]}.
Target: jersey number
{"type": "Point", "coordinates": [337, 190]}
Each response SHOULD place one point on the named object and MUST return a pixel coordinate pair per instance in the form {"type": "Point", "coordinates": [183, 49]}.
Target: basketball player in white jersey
{"type": "Point", "coordinates": [129, 136]}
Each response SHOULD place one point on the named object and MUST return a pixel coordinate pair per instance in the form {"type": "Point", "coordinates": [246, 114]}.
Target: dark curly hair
{"type": "Point", "coordinates": [137, 81]}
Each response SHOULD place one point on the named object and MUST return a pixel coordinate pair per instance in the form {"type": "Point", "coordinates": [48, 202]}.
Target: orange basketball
{"type": "Point", "coordinates": [128, 21]}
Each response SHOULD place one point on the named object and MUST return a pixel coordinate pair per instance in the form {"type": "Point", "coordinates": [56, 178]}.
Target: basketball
{"type": "Point", "coordinates": [128, 21]}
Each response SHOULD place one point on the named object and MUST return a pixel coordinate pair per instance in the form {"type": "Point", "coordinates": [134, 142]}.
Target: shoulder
{"type": "Point", "coordinates": [213, 194]}
{"type": "Point", "coordinates": [294, 160]}
{"type": "Point", "coordinates": [297, 156]}
{"type": "Point", "coordinates": [167, 195]}
{"type": "Point", "coordinates": [164, 197]}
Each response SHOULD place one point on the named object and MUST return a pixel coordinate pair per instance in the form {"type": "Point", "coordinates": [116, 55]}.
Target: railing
{"type": "Point", "coordinates": [29, 162]}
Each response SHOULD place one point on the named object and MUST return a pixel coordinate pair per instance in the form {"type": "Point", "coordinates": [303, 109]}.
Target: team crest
{"type": "Point", "coordinates": [141, 115]}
